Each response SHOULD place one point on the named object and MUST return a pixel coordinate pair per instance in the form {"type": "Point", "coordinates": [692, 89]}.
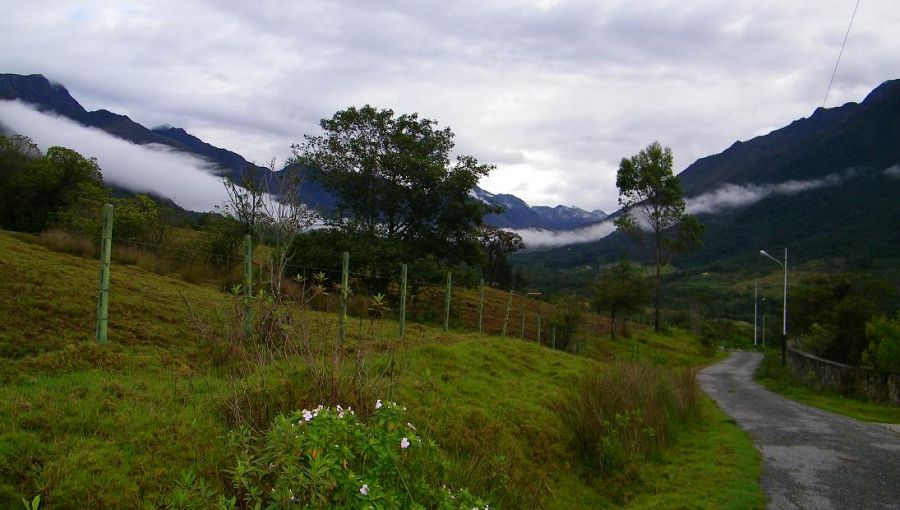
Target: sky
{"type": "Point", "coordinates": [553, 93]}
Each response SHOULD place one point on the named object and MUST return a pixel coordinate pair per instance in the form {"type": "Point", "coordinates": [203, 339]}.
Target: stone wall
{"type": "Point", "coordinates": [847, 380]}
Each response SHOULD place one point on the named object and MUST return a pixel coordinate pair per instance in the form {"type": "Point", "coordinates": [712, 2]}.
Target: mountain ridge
{"type": "Point", "coordinates": [52, 97]}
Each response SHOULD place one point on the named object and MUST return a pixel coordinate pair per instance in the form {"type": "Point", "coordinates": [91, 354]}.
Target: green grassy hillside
{"type": "Point", "coordinates": [115, 425]}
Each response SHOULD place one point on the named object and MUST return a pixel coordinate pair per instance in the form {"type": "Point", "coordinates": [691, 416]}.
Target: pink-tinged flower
{"type": "Point", "coordinates": [404, 443]}
{"type": "Point", "coordinates": [364, 490]}
{"type": "Point", "coordinates": [378, 404]}
{"type": "Point", "coordinates": [307, 415]}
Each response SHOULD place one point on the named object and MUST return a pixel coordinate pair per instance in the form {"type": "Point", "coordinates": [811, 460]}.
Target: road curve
{"type": "Point", "coordinates": [812, 459]}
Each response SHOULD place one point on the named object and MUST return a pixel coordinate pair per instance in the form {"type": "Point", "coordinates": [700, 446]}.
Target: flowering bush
{"type": "Point", "coordinates": [326, 458]}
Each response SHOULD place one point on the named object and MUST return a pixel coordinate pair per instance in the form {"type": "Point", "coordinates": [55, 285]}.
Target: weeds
{"type": "Point", "coordinates": [619, 415]}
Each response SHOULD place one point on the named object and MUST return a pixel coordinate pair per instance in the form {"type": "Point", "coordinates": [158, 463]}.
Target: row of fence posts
{"type": "Point", "coordinates": [247, 287]}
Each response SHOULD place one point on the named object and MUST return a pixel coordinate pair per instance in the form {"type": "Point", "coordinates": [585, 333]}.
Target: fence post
{"type": "Point", "coordinates": [403, 300]}
{"type": "Point", "coordinates": [539, 329]}
{"type": "Point", "coordinates": [103, 296]}
{"type": "Point", "coordinates": [248, 287]}
{"type": "Point", "coordinates": [522, 324]}
{"type": "Point", "coordinates": [480, 305]}
{"type": "Point", "coordinates": [506, 316]}
{"type": "Point", "coordinates": [447, 300]}
{"type": "Point", "coordinates": [554, 337]}
{"type": "Point", "coordinates": [345, 283]}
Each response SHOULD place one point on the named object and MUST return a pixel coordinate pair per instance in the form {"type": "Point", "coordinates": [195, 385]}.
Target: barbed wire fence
{"type": "Point", "coordinates": [397, 296]}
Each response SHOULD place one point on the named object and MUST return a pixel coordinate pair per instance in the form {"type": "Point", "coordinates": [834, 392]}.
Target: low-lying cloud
{"type": "Point", "coordinates": [733, 196]}
{"type": "Point", "coordinates": [893, 171]}
{"type": "Point", "coordinates": [540, 238]}
{"type": "Point", "coordinates": [184, 178]}
{"type": "Point", "coordinates": [723, 199]}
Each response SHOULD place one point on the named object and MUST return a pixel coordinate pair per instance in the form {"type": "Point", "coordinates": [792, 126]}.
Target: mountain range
{"type": "Point", "coordinates": [827, 186]}
{"type": "Point", "coordinates": [50, 97]}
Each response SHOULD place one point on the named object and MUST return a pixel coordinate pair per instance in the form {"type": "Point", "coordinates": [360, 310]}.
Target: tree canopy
{"type": "Point", "coordinates": [395, 182]}
{"type": "Point", "coordinates": [37, 190]}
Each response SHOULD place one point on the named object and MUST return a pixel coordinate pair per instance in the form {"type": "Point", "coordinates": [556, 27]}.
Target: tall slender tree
{"type": "Point", "coordinates": [651, 198]}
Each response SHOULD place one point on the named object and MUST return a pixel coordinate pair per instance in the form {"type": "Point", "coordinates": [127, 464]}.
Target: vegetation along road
{"type": "Point", "coordinates": [811, 458]}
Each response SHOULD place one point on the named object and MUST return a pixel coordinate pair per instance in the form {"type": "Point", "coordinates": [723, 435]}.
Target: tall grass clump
{"type": "Point", "coordinates": [619, 415]}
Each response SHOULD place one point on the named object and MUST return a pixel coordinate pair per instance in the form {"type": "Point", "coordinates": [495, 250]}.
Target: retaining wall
{"type": "Point", "coordinates": [846, 379]}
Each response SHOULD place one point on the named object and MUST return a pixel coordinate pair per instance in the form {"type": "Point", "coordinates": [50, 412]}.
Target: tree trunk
{"type": "Point", "coordinates": [657, 287]}
{"type": "Point", "coordinates": [612, 322]}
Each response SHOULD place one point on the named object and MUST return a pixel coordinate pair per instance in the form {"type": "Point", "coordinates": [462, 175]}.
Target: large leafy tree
{"type": "Point", "coordinates": [652, 202]}
{"type": "Point", "coordinates": [396, 184]}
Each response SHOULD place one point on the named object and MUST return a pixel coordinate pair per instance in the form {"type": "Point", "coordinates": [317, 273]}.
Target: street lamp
{"type": "Point", "coordinates": [784, 323]}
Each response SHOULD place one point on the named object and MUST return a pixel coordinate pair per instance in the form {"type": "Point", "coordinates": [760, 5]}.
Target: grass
{"type": "Point", "coordinates": [782, 381]}
{"type": "Point", "coordinates": [713, 465]}
{"type": "Point", "coordinates": [114, 426]}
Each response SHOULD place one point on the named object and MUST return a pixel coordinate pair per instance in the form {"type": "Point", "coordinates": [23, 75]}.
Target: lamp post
{"type": "Point", "coordinates": [755, 307]}
{"type": "Point", "coordinates": [784, 322]}
{"type": "Point", "coordinates": [764, 324]}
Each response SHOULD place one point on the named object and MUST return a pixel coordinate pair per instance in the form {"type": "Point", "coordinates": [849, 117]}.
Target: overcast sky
{"type": "Point", "coordinates": [554, 93]}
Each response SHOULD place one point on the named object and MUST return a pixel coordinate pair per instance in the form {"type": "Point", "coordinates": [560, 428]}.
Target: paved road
{"type": "Point", "coordinates": [811, 458]}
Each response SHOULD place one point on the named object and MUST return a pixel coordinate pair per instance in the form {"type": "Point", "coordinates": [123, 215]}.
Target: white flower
{"type": "Point", "coordinates": [307, 415]}
{"type": "Point", "coordinates": [378, 404]}
{"type": "Point", "coordinates": [404, 443]}
{"type": "Point", "coordinates": [364, 490]}
{"type": "Point", "coordinates": [410, 425]}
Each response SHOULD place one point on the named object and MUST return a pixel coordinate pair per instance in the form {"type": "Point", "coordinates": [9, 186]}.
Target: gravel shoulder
{"type": "Point", "coordinates": [812, 459]}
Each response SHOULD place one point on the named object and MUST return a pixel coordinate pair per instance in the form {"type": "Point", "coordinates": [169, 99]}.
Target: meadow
{"type": "Point", "coordinates": [124, 424]}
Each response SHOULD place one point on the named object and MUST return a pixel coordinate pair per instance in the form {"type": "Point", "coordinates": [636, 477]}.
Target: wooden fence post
{"type": "Point", "coordinates": [539, 329]}
{"type": "Point", "coordinates": [248, 287]}
{"type": "Point", "coordinates": [103, 296]}
{"type": "Point", "coordinates": [522, 324]}
{"type": "Point", "coordinates": [508, 309]}
{"type": "Point", "coordinates": [403, 300]}
{"type": "Point", "coordinates": [480, 305]}
{"type": "Point", "coordinates": [447, 300]}
{"type": "Point", "coordinates": [345, 283]}
{"type": "Point", "coordinates": [554, 337]}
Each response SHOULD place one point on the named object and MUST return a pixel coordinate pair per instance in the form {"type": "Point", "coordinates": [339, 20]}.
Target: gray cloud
{"type": "Point", "coordinates": [893, 171]}
{"type": "Point", "coordinates": [554, 92]}
{"type": "Point", "coordinates": [142, 168]}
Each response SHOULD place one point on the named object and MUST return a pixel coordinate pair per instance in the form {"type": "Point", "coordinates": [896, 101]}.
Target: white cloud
{"type": "Point", "coordinates": [142, 168]}
{"type": "Point", "coordinates": [893, 171]}
{"type": "Point", "coordinates": [723, 199]}
{"type": "Point", "coordinates": [732, 196]}
{"type": "Point", "coordinates": [539, 238]}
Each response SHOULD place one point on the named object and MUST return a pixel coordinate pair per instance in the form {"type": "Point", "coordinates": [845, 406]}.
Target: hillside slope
{"type": "Point", "coordinates": [114, 426]}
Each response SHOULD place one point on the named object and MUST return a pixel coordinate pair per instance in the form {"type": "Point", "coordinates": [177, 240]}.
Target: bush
{"type": "Point", "coordinates": [327, 458]}
{"type": "Point", "coordinates": [884, 347]}
{"type": "Point", "coordinates": [565, 319]}
{"type": "Point", "coordinates": [725, 333]}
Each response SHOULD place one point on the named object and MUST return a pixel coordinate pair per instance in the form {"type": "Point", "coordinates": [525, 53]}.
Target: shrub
{"type": "Point", "coordinates": [327, 458]}
{"type": "Point", "coordinates": [565, 319]}
{"type": "Point", "coordinates": [884, 348]}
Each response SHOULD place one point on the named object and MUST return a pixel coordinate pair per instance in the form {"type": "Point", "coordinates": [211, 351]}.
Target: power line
{"type": "Point", "coordinates": [833, 73]}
